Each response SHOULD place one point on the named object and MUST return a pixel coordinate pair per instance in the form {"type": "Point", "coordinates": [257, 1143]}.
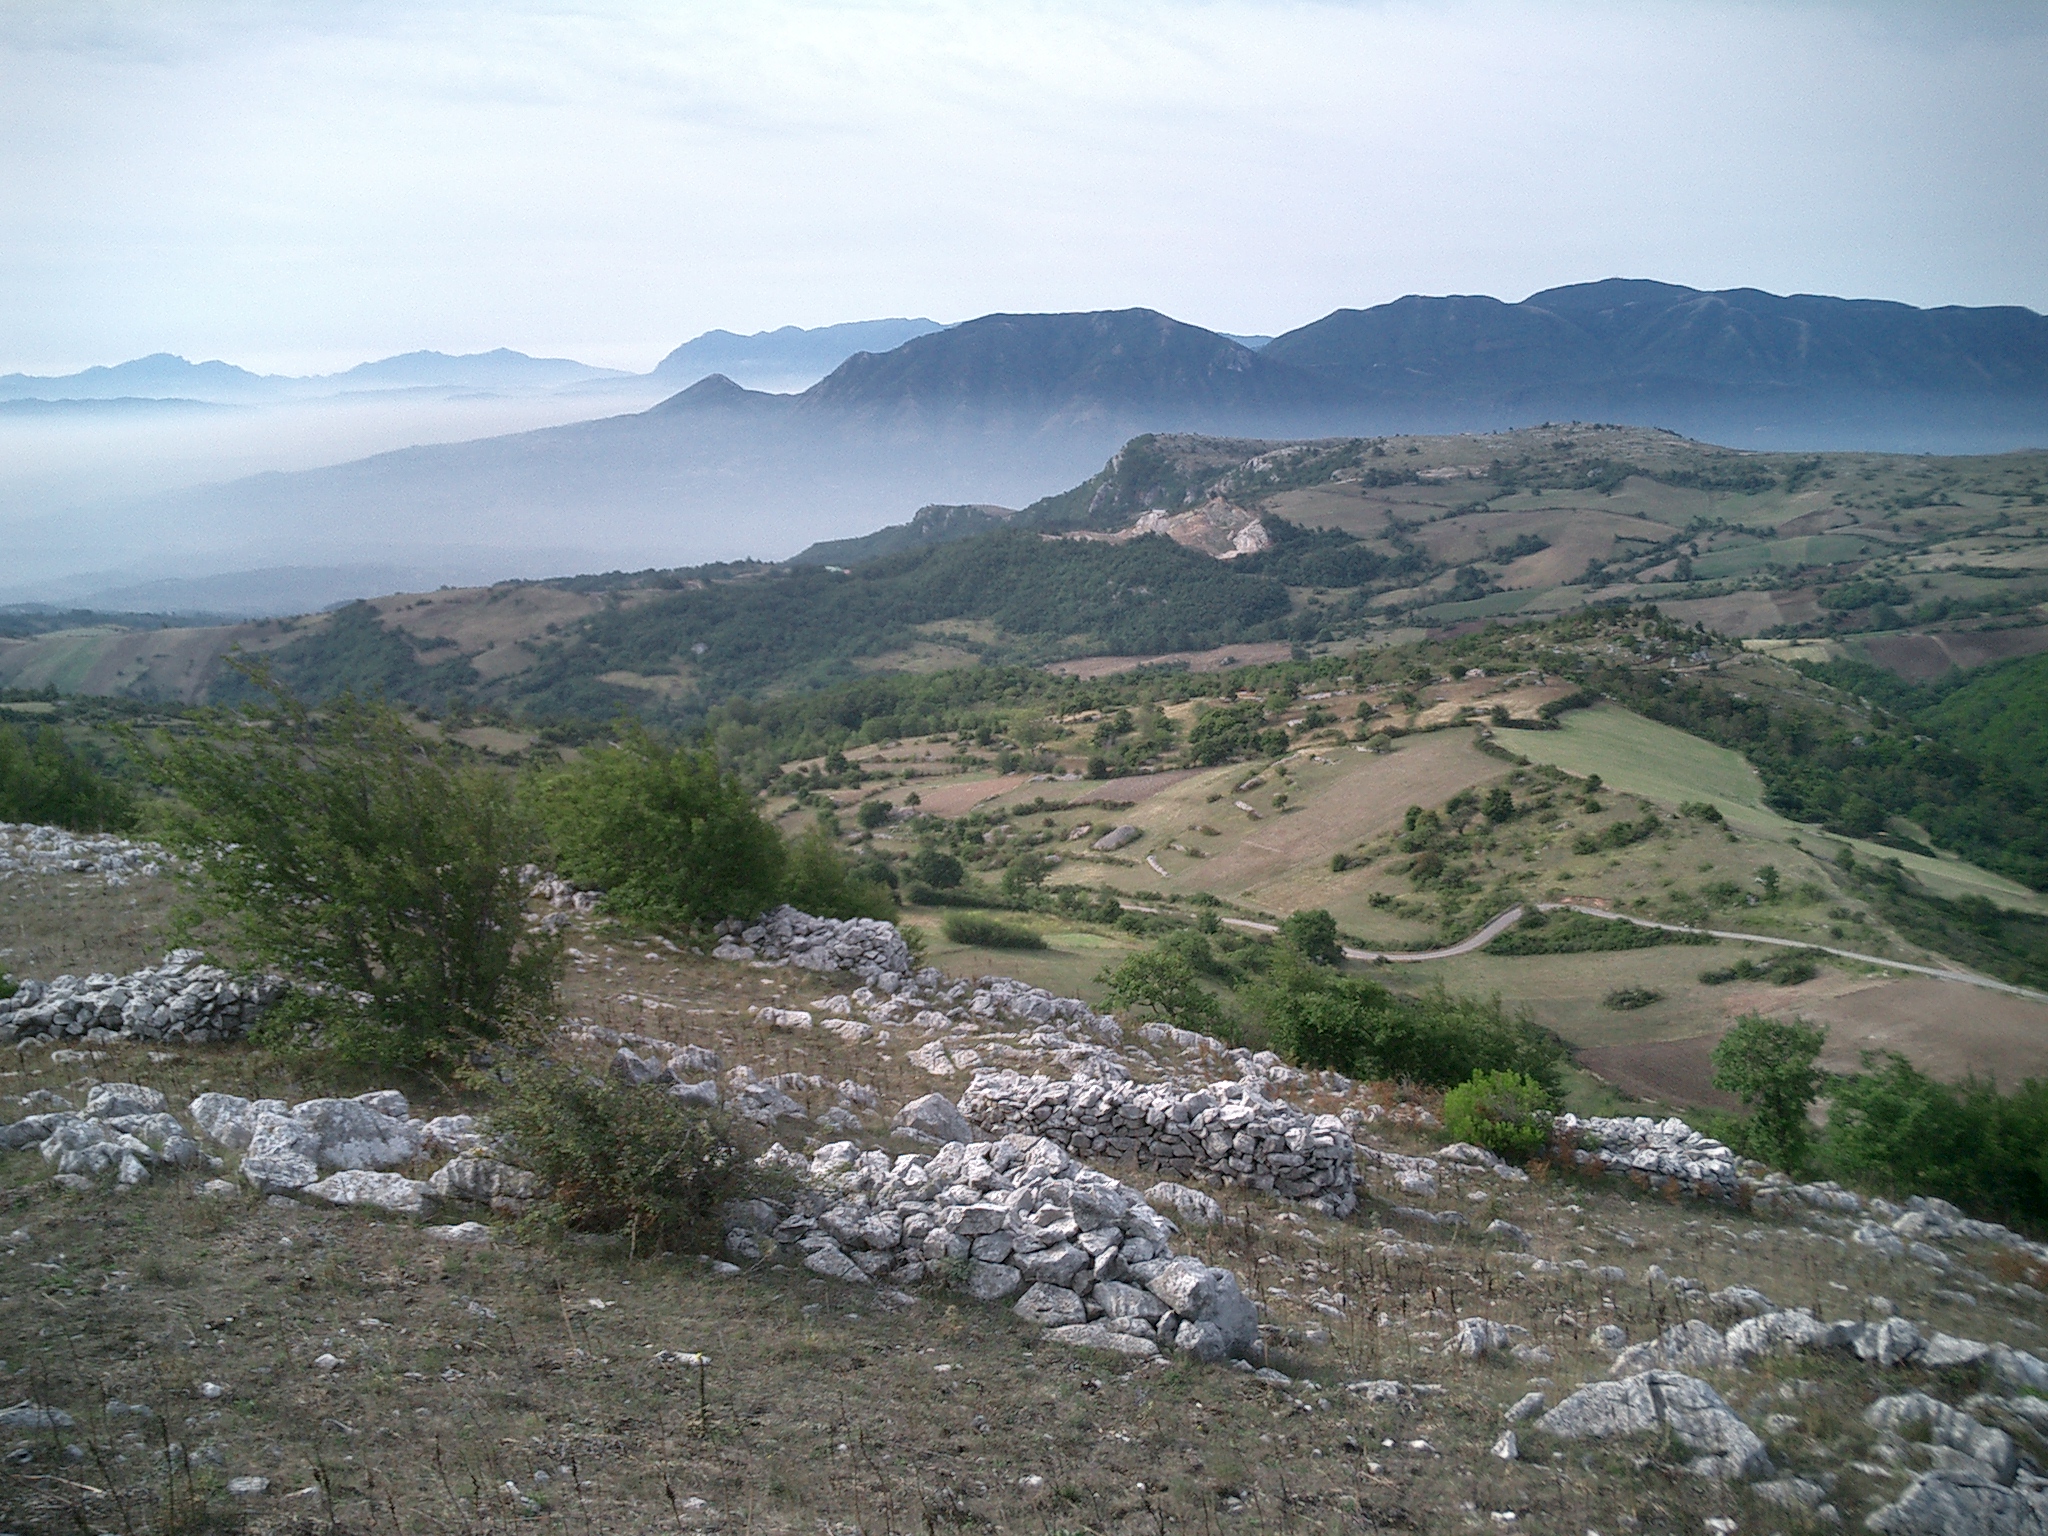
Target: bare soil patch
{"type": "Point", "coordinates": [1663, 1071]}
{"type": "Point", "coordinates": [1257, 653]}
{"type": "Point", "coordinates": [1924, 657]}
{"type": "Point", "coordinates": [958, 799]}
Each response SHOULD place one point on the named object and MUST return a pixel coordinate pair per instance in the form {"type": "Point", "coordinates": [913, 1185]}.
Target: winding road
{"type": "Point", "coordinates": [1515, 914]}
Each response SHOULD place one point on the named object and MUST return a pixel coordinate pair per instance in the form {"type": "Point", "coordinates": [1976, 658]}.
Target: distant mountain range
{"type": "Point", "coordinates": [791, 358]}
{"type": "Point", "coordinates": [998, 410]}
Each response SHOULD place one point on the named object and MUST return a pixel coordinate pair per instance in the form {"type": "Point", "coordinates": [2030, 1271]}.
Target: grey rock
{"type": "Point", "coordinates": [636, 1071]}
{"type": "Point", "coordinates": [833, 1265]}
{"type": "Point", "coordinates": [1609, 1336]}
{"type": "Point", "coordinates": [1525, 1407]}
{"type": "Point", "coordinates": [480, 1180]}
{"type": "Point", "coordinates": [1050, 1306]}
{"type": "Point", "coordinates": [1776, 1333]}
{"type": "Point", "coordinates": [1961, 1503]}
{"type": "Point", "coordinates": [1115, 838]}
{"type": "Point", "coordinates": [1910, 1412]}
{"type": "Point", "coordinates": [1507, 1447]}
{"type": "Point", "coordinates": [107, 1101]}
{"type": "Point", "coordinates": [992, 1282]}
{"type": "Point", "coordinates": [29, 1416]}
{"type": "Point", "coordinates": [1189, 1205]}
{"type": "Point", "coordinates": [1203, 1340]}
{"type": "Point", "coordinates": [937, 1117]}
{"type": "Point", "coordinates": [1688, 1346]}
{"type": "Point", "coordinates": [1690, 1409]}
{"type": "Point", "coordinates": [1478, 1337]}
{"type": "Point", "coordinates": [392, 1192]}
{"type": "Point", "coordinates": [1507, 1232]}
{"type": "Point", "coordinates": [461, 1232]}
{"type": "Point", "coordinates": [705, 1095]}
{"type": "Point", "coordinates": [1097, 1336]}
{"type": "Point", "coordinates": [1119, 1300]}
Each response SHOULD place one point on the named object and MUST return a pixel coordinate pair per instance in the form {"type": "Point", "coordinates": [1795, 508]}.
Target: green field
{"type": "Point", "coordinates": [1664, 764]}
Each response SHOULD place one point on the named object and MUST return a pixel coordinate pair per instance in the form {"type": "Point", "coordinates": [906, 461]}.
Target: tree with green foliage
{"type": "Point", "coordinates": [1313, 933]}
{"type": "Point", "coordinates": [46, 780]}
{"type": "Point", "coordinates": [1894, 1128]}
{"type": "Point", "coordinates": [1504, 1112]}
{"type": "Point", "coordinates": [936, 868]}
{"type": "Point", "coordinates": [1499, 805]}
{"type": "Point", "coordinates": [670, 837]}
{"type": "Point", "coordinates": [1024, 874]}
{"type": "Point", "coordinates": [872, 814]}
{"type": "Point", "coordinates": [818, 880]}
{"type": "Point", "coordinates": [1769, 1065]}
{"type": "Point", "coordinates": [362, 857]}
{"type": "Point", "coordinates": [1163, 984]}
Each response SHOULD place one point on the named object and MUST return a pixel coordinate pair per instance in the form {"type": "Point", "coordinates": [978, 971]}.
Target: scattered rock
{"type": "Point", "coordinates": [1691, 1410]}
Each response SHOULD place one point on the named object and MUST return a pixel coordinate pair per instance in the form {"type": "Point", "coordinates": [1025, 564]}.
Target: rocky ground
{"type": "Point", "coordinates": [1036, 1271]}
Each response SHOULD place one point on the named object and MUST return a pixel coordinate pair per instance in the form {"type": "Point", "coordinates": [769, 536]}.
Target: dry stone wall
{"type": "Point", "coordinates": [183, 1000]}
{"type": "Point", "coordinates": [1227, 1133]}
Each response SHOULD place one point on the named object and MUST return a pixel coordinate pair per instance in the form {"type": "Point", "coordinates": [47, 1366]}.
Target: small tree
{"type": "Point", "coordinates": [1500, 804]}
{"type": "Point", "coordinates": [1769, 1065]}
{"type": "Point", "coordinates": [46, 780]}
{"type": "Point", "coordinates": [1767, 877]}
{"type": "Point", "coordinates": [353, 852]}
{"type": "Point", "coordinates": [936, 868]}
{"type": "Point", "coordinates": [1313, 933]}
{"type": "Point", "coordinates": [1164, 983]}
{"type": "Point", "coordinates": [1024, 874]}
{"type": "Point", "coordinates": [669, 837]}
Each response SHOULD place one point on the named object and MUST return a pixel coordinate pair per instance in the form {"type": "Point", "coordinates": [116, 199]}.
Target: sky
{"type": "Point", "coordinates": [299, 187]}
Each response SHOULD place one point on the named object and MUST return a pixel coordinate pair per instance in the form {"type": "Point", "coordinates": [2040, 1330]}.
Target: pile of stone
{"type": "Point", "coordinates": [125, 1130]}
{"type": "Point", "coordinates": [183, 1000]}
{"type": "Point", "coordinates": [1227, 1133]}
{"type": "Point", "coordinates": [29, 849]}
{"type": "Point", "coordinates": [1016, 1219]}
{"type": "Point", "coordinates": [1663, 1155]}
{"type": "Point", "coordinates": [866, 946]}
{"type": "Point", "coordinates": [1888, 1343]}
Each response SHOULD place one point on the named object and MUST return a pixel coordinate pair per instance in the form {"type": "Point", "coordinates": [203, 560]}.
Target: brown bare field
{"type": "Point", "coordinates": [1678, 1072]}
{"type": "Point", "coordinates": [1256, 653]}
{"type": "Point", "coordinates": [957, 799]}
{"type": "Point", "coordinates": [1743, 613]}
{"type": "Point", "coordinates": [1921, 658]}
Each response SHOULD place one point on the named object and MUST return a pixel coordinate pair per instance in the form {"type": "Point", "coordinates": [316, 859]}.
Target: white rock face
{"type": "Point", "coordinates": [1915, 1415]}
{"type": "Point", "coordinates": [286, 1147]}
{"type": "Point", "coordinates": [1691, 1410]}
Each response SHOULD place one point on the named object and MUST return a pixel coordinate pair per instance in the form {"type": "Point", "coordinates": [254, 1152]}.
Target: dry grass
{"type": "Point", "coordinates": [463, 1370]}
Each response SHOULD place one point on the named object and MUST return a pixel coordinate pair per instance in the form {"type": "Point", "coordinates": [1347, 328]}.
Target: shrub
{"type": "Point", "coordinates": [818, 880]}
{"type": "Point", "coordinates": [1163, 982]}
{"type": "Point", "coordinates": [1504, 1112]}
{"type": "Point", "coordinates": [43, 779]}
{"type": "Point", "coordinates": [1769, 1065]}
{"type": "Point", "coordinates": [984, 932]}
{"type": "Point", "coordinates": [936, 868]}
{"type": "Point", "coordinates": [355, 853]}
{"type": "Point", "coordinates": [623, 1159]}
{"type": "Point", "coordinates": [1786, 970]}
{"type": "Point", "coordinates": [1572, 933]}
{"type": "Point", "coordinates": [1626, 999]}
{"type": "Point", "coordinates": [872, 813]}
{"type": "Point", "coordinates": [1313, 932]}
{"type": "Point", "coordinates": [669, 837]}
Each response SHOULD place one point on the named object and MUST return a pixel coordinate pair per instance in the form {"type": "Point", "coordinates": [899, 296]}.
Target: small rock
{"type": "Point", "coordinates": [326, 1363]}
{"type": "Point", "coordinates": [461, 1232]}
{"type": "Point", "coordinates": [247, 1487]}
{"type": "Point", "coordinates": [1507, 1447]}
{"type": "Point", "coordinates": [1526, 1407]}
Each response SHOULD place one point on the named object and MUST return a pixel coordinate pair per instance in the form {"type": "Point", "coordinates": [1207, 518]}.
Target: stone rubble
{"type": "Point", "coordinates": [29, 849]}
{"type": "Point", "coordinates": [1016, 1220]}
{"type": "Point", "coordinates": [182, 1001]}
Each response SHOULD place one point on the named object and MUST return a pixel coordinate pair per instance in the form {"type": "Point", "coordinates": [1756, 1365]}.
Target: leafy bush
{"type": "Point", "coordinates": [818, 880]}
{"type": "Point", "coordinates": [669, 837]}
{"type": "Point", "coordinates": [1360, 1028]}
{"type": "Point", "coordinates": [351, 851]}
{"type": "Point", "coordinates": [1504, 1112]}
{"type": "Point", "coordinates": [43, 779]}
{"type": "Point", "coordinates": [1785, 970]}
{"type": "Point", "coordinates": [1626, 999]}
{"type": "Point", "coordinates": [1163, 983]}
{"type": "Point", "coordinates": [1573, 933]}
{"type": "Point", "coordinates": [986, 932]}
{"type": "Point", "coordinates": [1314, 933]}
{"type": "Point", "coordinates": [623, 1159]}
{"type": "Point", "coordinates": [1769, 1065]}
{"type": "Point", "coordinates": [1896, 1129]}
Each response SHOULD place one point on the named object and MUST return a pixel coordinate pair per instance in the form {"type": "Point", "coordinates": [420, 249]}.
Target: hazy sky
{"type": "Point", "coordinates": [300, 186]}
